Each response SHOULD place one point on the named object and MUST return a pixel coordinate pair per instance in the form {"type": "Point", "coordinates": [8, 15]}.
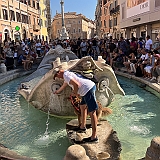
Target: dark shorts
{"type": "Point", "coordinates": [90, 99]}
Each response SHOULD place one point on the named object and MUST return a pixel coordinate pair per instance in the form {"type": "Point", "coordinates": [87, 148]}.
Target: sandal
{"type": "Point", "coordinates": [89, 140]}
{"type": "Point", "coordinates": [78, 129]}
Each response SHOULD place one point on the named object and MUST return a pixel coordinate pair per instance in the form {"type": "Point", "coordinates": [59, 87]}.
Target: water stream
{"type": "Point", "coordinates": [33, 133]}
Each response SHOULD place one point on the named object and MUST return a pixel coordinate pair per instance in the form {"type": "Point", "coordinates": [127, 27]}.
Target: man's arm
{"type": "Point", "coordinates": [61, 88]}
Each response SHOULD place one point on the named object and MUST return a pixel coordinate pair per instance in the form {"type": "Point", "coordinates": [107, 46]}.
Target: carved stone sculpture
{"type": "Point", "coordinates": [38, 88]}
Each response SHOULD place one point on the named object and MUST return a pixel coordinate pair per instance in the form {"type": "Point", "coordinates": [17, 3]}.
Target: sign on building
{"type": "Point", "coordinates": [135, 7]}
{"type": "Point", "coordinates": [17, 28]}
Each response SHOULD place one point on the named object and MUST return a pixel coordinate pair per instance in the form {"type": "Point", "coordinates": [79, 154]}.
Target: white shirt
{"type": "Point", "coordinates": [15, 55]}
{"type": "Point", "coordinates": [38, 45]}
{"type": "Point", "coordinates": [144, 56]}
{"type": "Point", "coordinates": [84, 46]}
{"type": "Point", "coordinates": [84, 85]}
{"type": "Point", "coordinates": [148, 44]}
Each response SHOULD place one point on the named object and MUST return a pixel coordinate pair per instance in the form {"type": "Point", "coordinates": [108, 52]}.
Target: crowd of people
{"type": "Point", "coordinates": [21, 53]}
{"type": "Point", "coordinates": [139, 56]}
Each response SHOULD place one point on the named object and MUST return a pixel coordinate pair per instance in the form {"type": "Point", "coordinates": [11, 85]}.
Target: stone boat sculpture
{"type": "Point", "coordinates": [39, 87]}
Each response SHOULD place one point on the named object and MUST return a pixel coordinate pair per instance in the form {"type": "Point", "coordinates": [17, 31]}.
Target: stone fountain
{"type": "Point", "coordinates": [39, 87]}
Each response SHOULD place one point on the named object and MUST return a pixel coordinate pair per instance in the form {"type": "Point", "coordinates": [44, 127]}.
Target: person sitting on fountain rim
{"type": "Point", "coordinates": [86, 89]}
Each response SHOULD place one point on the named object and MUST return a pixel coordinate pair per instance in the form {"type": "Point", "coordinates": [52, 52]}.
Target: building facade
{"type": "Point", "coordinates": [44, 21]}
{"type": "Point", "coordinates": [107, 17]}
{"type": "Point", "coordinates": [77, 25]}
{"type": "Point", "coordinates": [19, 19]}
{"type": "Point", "coordinates": [140, 18]}
{"type": "Point", "coordinates": [102, 17]}
{"type": "Point", "coordinates": [114, 22]}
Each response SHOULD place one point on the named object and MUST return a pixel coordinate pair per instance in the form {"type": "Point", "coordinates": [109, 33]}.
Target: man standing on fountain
{"type": "Point", "coordinates": [86, 89]}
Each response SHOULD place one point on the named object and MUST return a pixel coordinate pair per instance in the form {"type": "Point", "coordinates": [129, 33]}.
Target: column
{"type": "Point", "coordinates": [127, 33]}
{"type": "Point", "coordinates": [137, 32]}
{"type": "Point", "coordinates": [62, 12]}
{"type": "Point", "coordinates": [64, 34]}
{"type": "Point", "coordinates": [149, 29]}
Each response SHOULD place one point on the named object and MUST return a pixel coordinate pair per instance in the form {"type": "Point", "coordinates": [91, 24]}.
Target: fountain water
{"type": "Point", "coordinates": [44, 139]}
{"type": "Point", "coordinates": [28, 107]}
{"type": "Point", "coordinates": [47, 124]}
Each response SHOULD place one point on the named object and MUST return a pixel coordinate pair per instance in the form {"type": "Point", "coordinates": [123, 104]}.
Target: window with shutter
{"type": "Point", "coordinates": [5, 14]}
{"type": "Point", "coordinates": [157, 3]}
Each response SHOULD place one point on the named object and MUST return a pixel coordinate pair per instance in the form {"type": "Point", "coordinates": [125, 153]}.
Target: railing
{"type": "Point", "coordinates": [115, 10]}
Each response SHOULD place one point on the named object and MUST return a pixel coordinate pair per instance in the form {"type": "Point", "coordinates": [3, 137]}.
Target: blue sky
{"type": "Point", "coordinates": [86, 7]}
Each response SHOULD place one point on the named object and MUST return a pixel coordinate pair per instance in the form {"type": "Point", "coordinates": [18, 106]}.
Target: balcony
{"type": "Point", "coordinates": [36, 28]}
{"type": "Point", "coordinates": [112, 11]}
{"type": "Point", "coordinates": [115, 10]}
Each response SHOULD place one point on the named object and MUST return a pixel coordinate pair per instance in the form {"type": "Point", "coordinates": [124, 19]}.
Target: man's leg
{"type": "Point", "coordinates": [83, 116]}
{"type": "Point", "coordinates": [94, 124]}
{"type": "Point", "coordinates": [142, 68]}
